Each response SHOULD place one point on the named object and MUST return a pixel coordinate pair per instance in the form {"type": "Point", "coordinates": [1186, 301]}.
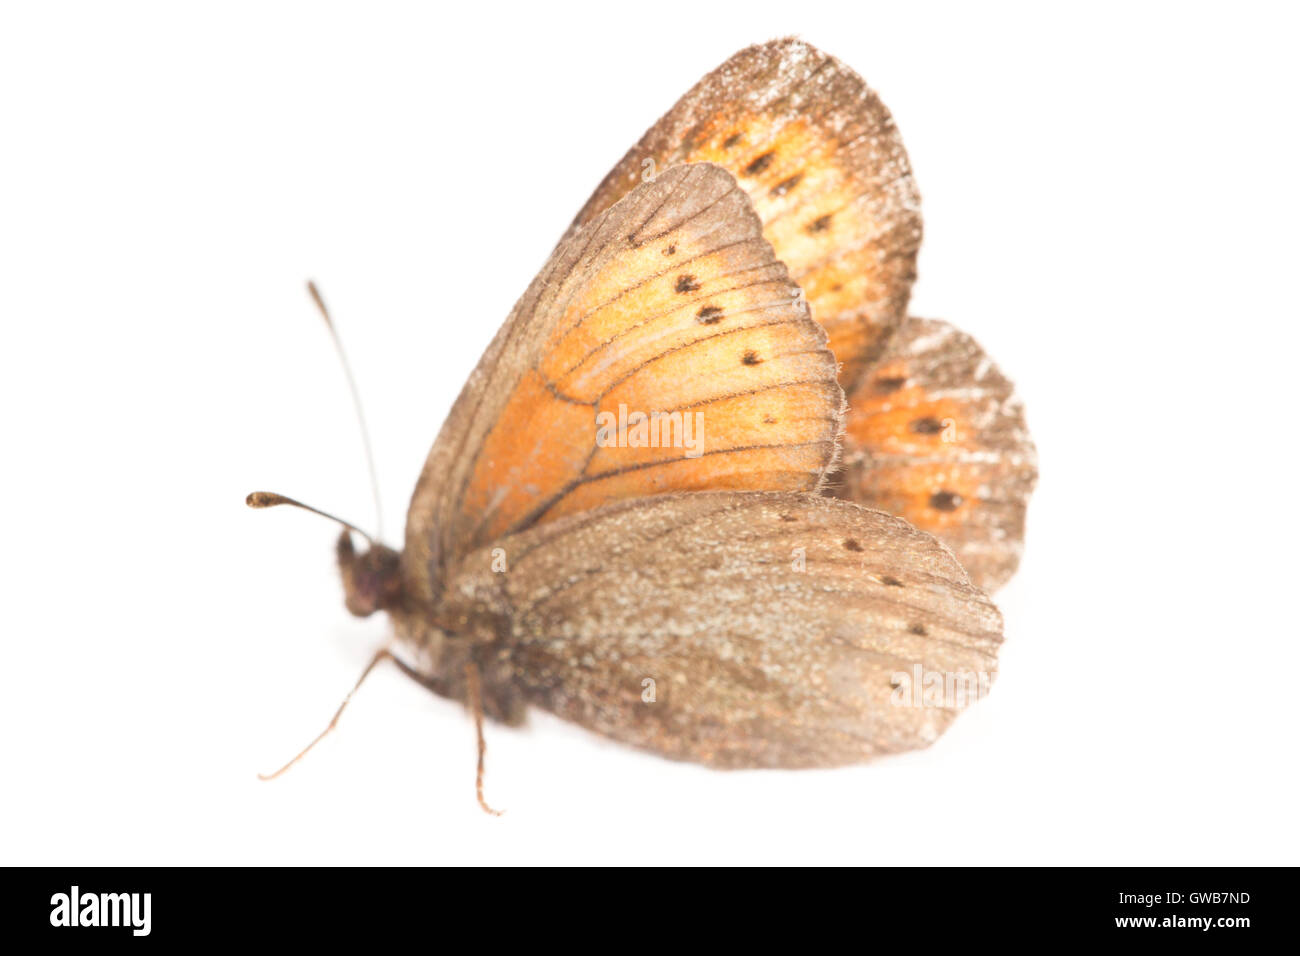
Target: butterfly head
{"type": "Point", "coordinates": [372, 579]}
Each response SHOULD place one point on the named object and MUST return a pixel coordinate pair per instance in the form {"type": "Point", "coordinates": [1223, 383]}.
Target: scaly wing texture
{"type": "Point", "coordinates": [670, 303]}
{"type": "Point", "coordinates": [936, 435]}
{"type": "Point", "coordinates": [774, 626]}
{"type": "Point", "coordinates": [822, 161]}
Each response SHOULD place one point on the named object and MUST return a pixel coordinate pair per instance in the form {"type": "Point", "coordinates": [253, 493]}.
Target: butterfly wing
{"type": "Point", "coordinates": [670, 303]}
{"type": "Point", "coordinates": [823, 163]}
{"type": "Point", "coordinates": [770, 629]}
{"type": "Point", "coordinates": [936, 435]}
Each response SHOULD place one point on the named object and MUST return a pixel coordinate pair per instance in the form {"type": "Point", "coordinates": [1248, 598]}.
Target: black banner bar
{"type": "Point", "coordinates": [943, 906]}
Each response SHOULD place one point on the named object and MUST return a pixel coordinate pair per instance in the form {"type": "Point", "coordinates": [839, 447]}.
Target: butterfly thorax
{"type": "Point", "coordinates": [438, 642]}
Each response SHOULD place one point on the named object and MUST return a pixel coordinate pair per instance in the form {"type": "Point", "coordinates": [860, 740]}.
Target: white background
{"type": "Point", "coordinates": [1110, 198]}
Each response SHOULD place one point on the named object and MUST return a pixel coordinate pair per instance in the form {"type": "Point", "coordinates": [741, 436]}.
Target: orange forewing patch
{"type": "Point", "coordinates": [540, 442]}
{"type": "Point", "coordinates": [821, 160]}
{"type": "Point", "coordinates": [672, 304]}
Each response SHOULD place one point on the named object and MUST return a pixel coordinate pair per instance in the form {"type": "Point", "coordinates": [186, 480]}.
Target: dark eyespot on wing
{"type": "Point", "coordinates": [785, 185]}
{"type": "Point", "coordinates": [760, 164]}
{"type": "Point", "coordinates": [945, 501]}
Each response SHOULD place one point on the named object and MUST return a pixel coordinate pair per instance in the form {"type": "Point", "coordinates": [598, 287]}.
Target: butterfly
{"type": "Point", "coordinates": [634, 516]}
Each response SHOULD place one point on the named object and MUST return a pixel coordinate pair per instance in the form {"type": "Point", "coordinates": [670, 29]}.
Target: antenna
{"type": "Point", "coordinates": [361, 420]}
{"type": "Point", "coordinates": [269, 499]}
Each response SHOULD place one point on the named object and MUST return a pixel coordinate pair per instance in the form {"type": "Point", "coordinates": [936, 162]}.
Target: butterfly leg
{"type": "Point", "coordinates": [382, 655]}
{"type": "Point", "coordinates": [475, 695]}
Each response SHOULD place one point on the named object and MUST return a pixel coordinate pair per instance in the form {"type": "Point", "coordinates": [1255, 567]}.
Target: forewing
{"type": "Point", "coordinates": [820, 157]}
{"type": "Point", "coordinates": [669, 305]}
{"type": "Point", "coordinates": [736, 630]}
{"type": "Point", "coordinates": [935, 434]}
